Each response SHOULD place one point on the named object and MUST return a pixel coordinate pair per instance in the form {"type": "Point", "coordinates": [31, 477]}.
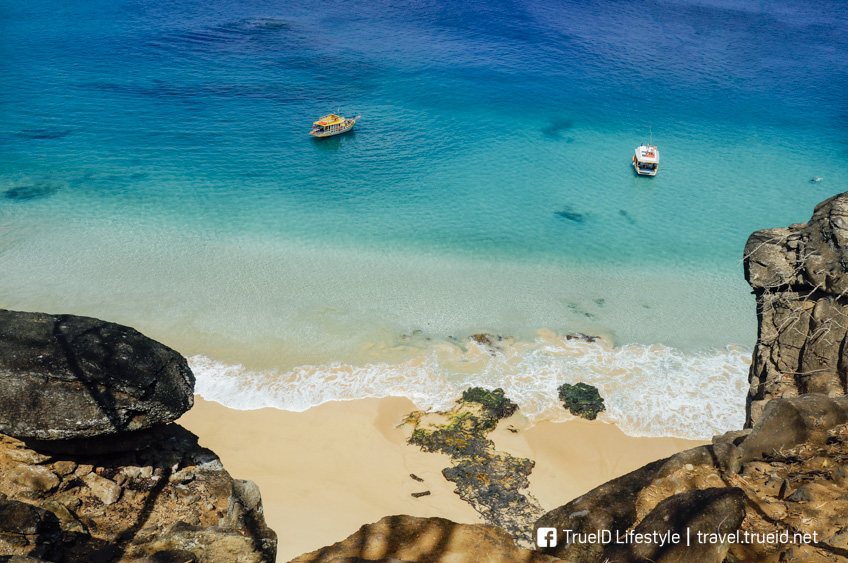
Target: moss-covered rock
{"type": "Point", "coordinates": [497, 405]}
{"type": "Point", "coordinates": [493, 482]}
{"type": "Point", "coordinates": [581, 399]}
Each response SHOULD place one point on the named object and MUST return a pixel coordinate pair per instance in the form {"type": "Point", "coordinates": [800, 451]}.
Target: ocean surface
{"type": "Point", "coordinates": [155, 170]}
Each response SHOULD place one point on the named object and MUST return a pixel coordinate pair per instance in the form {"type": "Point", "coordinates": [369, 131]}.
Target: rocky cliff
{"type": "Point", "coordinates": [92, 467]}
{"type": "Point", "coordinates": [799, 275]}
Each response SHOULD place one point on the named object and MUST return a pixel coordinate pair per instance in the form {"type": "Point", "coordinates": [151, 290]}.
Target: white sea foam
{"type": "Point", "coordinates": [649, 390]}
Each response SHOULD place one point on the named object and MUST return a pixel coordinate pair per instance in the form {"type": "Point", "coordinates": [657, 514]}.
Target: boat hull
{"type": "Point", "coordinates": [347, 126]}
{"type": "Point", "coordinates": [645, 172]}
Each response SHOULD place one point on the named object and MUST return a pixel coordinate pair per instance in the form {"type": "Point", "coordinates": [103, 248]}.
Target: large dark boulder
{"type": "Point", "coordinates": [64, 377]}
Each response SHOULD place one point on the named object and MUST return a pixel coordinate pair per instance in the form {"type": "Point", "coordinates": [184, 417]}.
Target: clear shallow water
{"type": "Point", "coordinates": [155, 170]}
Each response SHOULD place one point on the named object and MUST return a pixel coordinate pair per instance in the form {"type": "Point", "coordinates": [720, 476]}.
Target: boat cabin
{"type": "Point", "coordinates": [647, 160]}
{"type": "Point", "coordinates": [329, 123]}
{"type": "Point", "coordinates": [332, 124]}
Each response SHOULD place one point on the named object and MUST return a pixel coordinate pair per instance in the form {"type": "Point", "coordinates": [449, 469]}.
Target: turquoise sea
{"type": "Point", "coordinates": [155, 170]}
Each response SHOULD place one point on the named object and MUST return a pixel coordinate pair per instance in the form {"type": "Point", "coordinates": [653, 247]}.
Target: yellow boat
{"type": "Point", "coordinates": [332, 124]}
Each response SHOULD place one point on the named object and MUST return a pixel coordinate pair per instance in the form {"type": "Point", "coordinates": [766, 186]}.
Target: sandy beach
{"type": "Point", "coordinates": [325, 472]}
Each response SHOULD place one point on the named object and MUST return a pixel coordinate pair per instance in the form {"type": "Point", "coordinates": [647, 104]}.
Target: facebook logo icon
{"type": "Point", "coordinates": [546, 537]}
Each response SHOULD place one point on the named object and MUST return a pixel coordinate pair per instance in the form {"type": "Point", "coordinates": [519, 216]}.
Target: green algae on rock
{"type": "Point", "coordinates": [582, 400]}
{"type": "Point", "coordinates": [496, 404]}
{"type": "Point", "coordinates": [494, 483]}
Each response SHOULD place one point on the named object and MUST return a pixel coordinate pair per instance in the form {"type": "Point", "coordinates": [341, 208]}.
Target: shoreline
{"type": "Point", "coordinates": [326, 471]}
{"type": "Point", "coordinates": [649, 391]}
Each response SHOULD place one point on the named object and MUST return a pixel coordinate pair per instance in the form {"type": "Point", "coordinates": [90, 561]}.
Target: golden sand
{"type": "Point", "coordinates": [325, 472]}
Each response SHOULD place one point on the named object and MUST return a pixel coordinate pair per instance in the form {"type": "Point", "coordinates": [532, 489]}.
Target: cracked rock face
{"type": "Point", "coordinates": [800, 278]}
{"type": "Point", "coordinates": [64, 377]}
{"type": "Point", "coordinates": [170, 501]}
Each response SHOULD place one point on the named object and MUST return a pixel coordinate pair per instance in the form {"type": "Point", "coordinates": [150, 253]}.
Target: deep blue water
{"type": "Point", "coordinates": [488, 127]}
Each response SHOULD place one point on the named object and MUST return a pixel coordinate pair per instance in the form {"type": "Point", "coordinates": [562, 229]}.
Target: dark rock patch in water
{"type": "Point", "coordinates": [42, 134]}
{"type": "Point", "coordinates": [581, 400]}
{"type": "Point", "coordinates": [556, 127]}
{"type": "Point", "coordinates": [569, 214]}
{"type": "Point", "coordinates": [195, 93]}
{"type": "Point", "coordinates": [580, 337]}
{"type": "Point", "coordinates": [231, 34]}
{"type": "Point", "coordinates": [578, 310]}
{"type": "Point", "coordinates": [36, 190]}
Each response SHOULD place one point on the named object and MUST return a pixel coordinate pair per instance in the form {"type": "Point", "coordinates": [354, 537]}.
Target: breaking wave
{"type": "Point", "coordinates": [648, 390]}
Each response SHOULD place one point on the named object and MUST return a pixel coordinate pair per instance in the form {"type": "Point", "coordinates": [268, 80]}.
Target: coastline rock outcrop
{"type": "Point", "coordinates": [68, 377]}
{"type": "Point", "coordinates": [171, 495]}
{"type": "Point", "coordinates": [778, 490]}
{"type": "Point", "coordinates": [409, 539]}
{"type": "Point", "coordinates": [799, 275]}
{"type": "Point", "coordinates": [494, 483]}
{"type": "Point", "coordinates": [787, 475]}
{"type": "Point", "coordinates": [91, 466]}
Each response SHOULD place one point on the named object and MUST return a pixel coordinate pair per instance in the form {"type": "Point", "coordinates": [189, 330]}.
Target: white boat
{"type": "Point", "coordinates": [647, 160]}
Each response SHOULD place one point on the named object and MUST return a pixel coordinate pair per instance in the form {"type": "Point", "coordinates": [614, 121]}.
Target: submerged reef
{"type": "Point", "coordinates": [35, 190]}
